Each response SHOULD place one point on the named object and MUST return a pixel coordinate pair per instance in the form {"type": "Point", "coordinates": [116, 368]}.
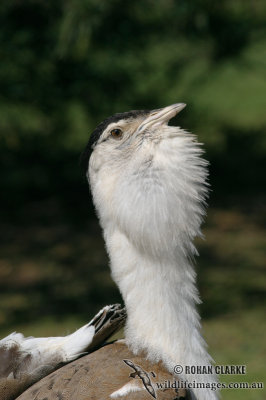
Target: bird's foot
{"type": "Point", "coordinates": [108, 321]}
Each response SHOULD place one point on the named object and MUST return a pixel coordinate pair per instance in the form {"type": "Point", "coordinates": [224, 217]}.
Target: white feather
{"type": "Point", "coordinates": [150, 200]}
{"type": "Point", "coordinates": [46, 352]}
{"type": "Point", "coordinates": [129, 387]}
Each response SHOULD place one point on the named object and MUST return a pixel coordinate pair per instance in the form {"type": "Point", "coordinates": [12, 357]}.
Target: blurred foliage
{"type": "Point", "coordinates": [66, 65]}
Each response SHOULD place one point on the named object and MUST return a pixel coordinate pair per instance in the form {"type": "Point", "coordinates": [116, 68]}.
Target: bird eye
{"type": "Point", "coordinates": [116, 133]}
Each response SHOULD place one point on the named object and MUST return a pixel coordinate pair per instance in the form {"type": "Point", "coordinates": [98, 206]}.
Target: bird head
{"type": "Point", "coordinates": [144, 175]}
{"type": "Point", "coordinates": [120, 136]}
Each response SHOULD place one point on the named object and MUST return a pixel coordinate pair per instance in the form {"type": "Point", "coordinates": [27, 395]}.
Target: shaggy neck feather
{"type": "Point", "coordinates": [161, 303]}
{"type": "Point", "coordinates": [150, 217]}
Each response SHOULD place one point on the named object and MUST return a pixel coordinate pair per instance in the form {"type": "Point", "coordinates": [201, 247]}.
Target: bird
{"type": "Point", "coordinates": [24, 361]}
{"type": "Point", "coordinates": [143, 375]}
{"type": "Point", "coordinates": [149, 184]}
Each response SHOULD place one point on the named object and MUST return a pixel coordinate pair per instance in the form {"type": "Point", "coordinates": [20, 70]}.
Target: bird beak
{"type": "Point", "coordinates": [161, 116]}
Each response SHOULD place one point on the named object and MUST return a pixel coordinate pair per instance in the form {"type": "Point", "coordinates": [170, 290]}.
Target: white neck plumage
{"type": "Point", "coordinates": [150, 215]}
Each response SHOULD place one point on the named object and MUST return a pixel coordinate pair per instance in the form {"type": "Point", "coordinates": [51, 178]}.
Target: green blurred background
{"type": "Point", "coordinates": [66, 65]}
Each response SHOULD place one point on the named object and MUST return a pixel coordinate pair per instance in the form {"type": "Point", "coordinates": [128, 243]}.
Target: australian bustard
{"type": "Point", "coordinates": [148, 182]}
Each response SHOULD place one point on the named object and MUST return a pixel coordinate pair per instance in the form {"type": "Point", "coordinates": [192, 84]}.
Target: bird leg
{"type": "Point", "coordinates": [24, 361]}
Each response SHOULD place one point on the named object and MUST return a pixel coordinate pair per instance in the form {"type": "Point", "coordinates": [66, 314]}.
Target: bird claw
{"type": "Point", "coordinates": [112, 314]}
{"type": "Point", "coordinates": [109, 320]}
